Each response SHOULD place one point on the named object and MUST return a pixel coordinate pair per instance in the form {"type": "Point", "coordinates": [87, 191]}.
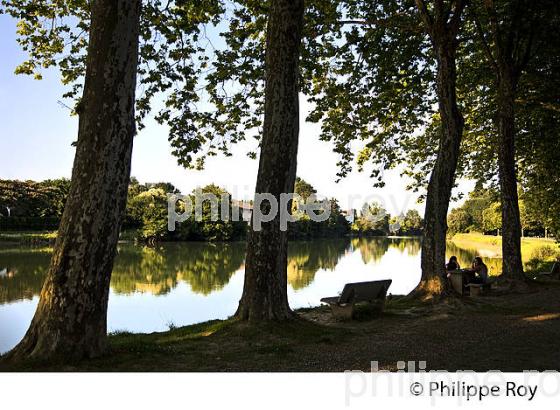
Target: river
{"type": "Point", "coordinates": [177, 284]}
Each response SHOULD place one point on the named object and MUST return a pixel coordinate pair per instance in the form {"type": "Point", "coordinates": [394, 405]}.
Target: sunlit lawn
{"type": "Point", "coordinates": [494, 243]}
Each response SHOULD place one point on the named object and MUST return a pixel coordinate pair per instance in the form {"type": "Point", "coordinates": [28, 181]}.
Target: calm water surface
{"type": "Point", "coordinates": [184, 283]}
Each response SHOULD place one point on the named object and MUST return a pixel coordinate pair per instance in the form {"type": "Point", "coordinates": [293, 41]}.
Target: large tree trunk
{"type": "Point", "coordinates": [443, 175]}
{"type": "Point", "coordinates": [265, 295]}
{"type": "Point", "coordinates": [443, 31]}
{"type": "Point", "coordinates": [511, 222]}
{"type": "Point", "coordinates": [71, 318]}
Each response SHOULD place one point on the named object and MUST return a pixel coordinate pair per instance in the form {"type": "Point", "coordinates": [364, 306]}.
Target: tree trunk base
{"type": "Point", "coordinates": [52, 346]}
{"type": "Point", "coordinates": [264, 314]}
{"type": "Point", "coordinates": [431, 290]}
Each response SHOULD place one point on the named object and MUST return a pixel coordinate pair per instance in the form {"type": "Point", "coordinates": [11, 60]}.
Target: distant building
{"type": "Point", "coordinates": [245, 209]}
{"type": "Point", "coordinates": [350, 215]}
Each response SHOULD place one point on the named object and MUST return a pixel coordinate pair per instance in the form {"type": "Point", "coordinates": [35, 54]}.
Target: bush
{"type": "Point", "coordinates": [541, 255]}
{"type": "Point", "coordinates": [546, 253]}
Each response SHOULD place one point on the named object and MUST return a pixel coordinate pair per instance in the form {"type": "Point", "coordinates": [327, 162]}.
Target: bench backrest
{"type": "Point", "coordinates": [364, 291]}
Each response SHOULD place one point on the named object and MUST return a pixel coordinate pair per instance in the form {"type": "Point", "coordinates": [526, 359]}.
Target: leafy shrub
{"type": "Point", "coordinates": [546, 253]}
{"type": "Point", "coordinates": [541, 255]}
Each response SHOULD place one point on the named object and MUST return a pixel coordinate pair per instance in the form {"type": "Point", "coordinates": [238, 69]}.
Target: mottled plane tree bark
{"type": "Point", "coordinates": [510, 32]}
{"type": "Point", "coordinates": [442, 22]}
{"type": "Point", "coordinates": [71, 318]}
{"type": "Point", "coordinates": [265, 289]}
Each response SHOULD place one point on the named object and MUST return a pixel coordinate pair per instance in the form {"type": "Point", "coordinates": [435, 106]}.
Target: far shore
{"type": "Point", "coordinates": [128, 236]}
{"type": "Point", "coordinates": [491, 245]}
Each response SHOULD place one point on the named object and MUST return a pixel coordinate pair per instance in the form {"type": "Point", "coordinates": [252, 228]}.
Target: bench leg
{"type": "Point", "coordinates": [475, 291]}
{"type": "Point", "coordinates": [345, 312]}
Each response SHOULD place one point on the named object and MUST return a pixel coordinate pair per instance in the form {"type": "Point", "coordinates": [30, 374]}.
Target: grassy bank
{"type": "Point", "coordinates": [530, 247]}
{"type": "Point", "coordinates": [509, 332]}
{"type": "Point", "coordinates": [48, 237]}
{"type": "Point", "coordinates": [28, 238]}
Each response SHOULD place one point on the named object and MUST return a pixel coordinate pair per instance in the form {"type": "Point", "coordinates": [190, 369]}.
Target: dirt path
{"type": "Point", "coordinates": [510, 333]}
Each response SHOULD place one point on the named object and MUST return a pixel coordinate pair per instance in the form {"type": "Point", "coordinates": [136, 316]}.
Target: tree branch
{"type": "Point", "coordinates": [455, 22]}
{"type": "Point", "coordinates": [545, 105]}
{"type": "Point", "coordinates": [425, 15]}
{"type": "Point", "coordinates": [482, 37]}
{"type": "Point", "coordinates": [496, 32]}
{"type": "Point", "coordinates": [389, 22]}
{"type": "Point", "coordinates": [520, 65]}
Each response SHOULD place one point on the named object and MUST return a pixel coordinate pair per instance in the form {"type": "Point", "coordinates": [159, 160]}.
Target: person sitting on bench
{"type": "Point", "coordinates": [452, 265]}
{"type": "Point", "coordinates": [479, 271]}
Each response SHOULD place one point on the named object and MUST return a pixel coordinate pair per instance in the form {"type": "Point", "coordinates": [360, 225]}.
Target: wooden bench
{"type": "Point", "coordinates": [457, 279]}
{"type": "Point", "coordinates": [373, 292]}
{"type": "Point", "coordinates": [459, 283]}
{"type": "Point", "coordinates": [554, 271]}
{"type": "Point", "coordinates": [477, 289]}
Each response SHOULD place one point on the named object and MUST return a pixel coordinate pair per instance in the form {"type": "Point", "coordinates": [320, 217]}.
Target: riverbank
{"type": "Point", "coordinates": [32, 238]}
{"type": "Point", "coordinates": [511, 332]}
{"type": "Point", "coordinates": [492, 245]}
{"type": "Point", "coordinates": [130, 235]}
{"type": "Point", "coordinates": [48, 238]}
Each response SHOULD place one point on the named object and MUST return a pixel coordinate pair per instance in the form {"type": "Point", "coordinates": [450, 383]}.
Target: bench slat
{"type": "Point", "coordinates": [343, 306]}
{"type": "Point", "coordinates": [361, 292]}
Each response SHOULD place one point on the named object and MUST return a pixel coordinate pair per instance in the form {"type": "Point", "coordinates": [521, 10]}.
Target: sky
{"type": "Point", "coordinates": [36, 133]}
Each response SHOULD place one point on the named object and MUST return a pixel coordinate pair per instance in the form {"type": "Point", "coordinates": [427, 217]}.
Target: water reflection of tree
{"type": "Point", "coordinates": [205, 267]}
{"type": "Point", "coordinates": [411, 245]}
{"type": "Point", "coordinates": [305, 258]}
{"type": "Point", "coordinates": [23, 272]}
{"type": "Point", "coordinates": [143, 269]}
{"type": "Point", "coordinates": [210, 267]}
{"type": "Point", "coordinates": [371, 249]}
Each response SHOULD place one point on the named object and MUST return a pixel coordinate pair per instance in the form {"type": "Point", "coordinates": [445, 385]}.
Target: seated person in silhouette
{"type": "Point", "coordinates": [479, 271]}
{"type": "Point", "coordinates": [452, 264]}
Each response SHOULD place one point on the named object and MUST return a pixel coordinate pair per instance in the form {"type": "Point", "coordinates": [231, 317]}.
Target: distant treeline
{"type": "Point", "coordinates": [482, 212]}
{"type": "Point", "coordinates": [30, 205]}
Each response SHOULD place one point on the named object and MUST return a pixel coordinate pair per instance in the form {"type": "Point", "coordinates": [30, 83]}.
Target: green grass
{"type": "Point", "coordinates": [28, 238]}
{"type": "Point", "coordinates": [48, 237]}
{"type": "Point", "coordinates": [210, 346]}
{"type": "Point", "coordinates": [218, 345]}
{"type": "Point", "coordinates": [494, 243]}
{"type": "Point", "coordinates": [128, 235]}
